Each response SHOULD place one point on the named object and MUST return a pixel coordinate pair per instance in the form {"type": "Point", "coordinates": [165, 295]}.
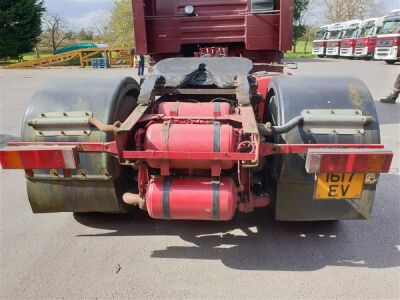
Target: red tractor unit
{"type": "Point", "coordinates": [366, 41]}
{"type": "Point", "coordinates": [349, 37]}
{"type": "Point", "coordinates": [319, 43]}
{"type": "Point", "coordinates": [388, 39]}
{"type": "Point", "coordinates": [204, 136]}
{"type": "Point", "coordinates": [260, 30]}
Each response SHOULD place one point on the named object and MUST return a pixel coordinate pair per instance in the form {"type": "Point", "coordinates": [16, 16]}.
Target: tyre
{"type": "Point", "coordinates": [390, 62]}
{"type": "Point", "coordinates": [99, 183]}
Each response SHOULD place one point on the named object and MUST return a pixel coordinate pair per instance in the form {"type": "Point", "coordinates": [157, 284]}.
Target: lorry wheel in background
{"type": "Point", "coordinates": [390, 62]}
{"type": "Point", "coordinates": [321, 56]}
{"type": "Point", "coordinates": [100, 182]}
{"type": "Point", "coordinates": [293, 189]}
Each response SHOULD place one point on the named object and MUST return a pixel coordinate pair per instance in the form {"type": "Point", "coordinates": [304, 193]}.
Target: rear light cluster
{"type": "Point", "coordinates": [39, 157]}
{"type": "Point", "coordinates": [348, 161]}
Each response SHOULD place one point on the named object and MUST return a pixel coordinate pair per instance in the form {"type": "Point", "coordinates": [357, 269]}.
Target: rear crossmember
{"type": "Point", "coordinates": [344, 158]}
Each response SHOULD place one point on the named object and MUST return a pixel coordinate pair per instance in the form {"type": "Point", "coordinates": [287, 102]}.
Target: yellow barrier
{"type": "Point", "coordinates": [115, 56]}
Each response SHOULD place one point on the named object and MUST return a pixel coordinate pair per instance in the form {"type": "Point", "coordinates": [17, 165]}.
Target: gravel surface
{"type": "Point", "coordinates": [253, 256]}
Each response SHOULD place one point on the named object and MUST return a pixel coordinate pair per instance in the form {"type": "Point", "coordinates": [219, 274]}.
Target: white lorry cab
{"type": "Point", "coordinates": [334, 38]}
{"type": "Point", "coordinates": [319, 43]}
{"type": "Point", "coordinates": [388, 39]}
{"type": "Point", "coordinates": [349, 36]}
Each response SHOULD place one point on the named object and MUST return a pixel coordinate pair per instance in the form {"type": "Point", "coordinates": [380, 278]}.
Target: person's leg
{"type": "Point", "coordinates": [142, 68]}
{"type": "Point", "coordinates": [397, 83]}
{"type": "Point", "coordinates": [395, 94]}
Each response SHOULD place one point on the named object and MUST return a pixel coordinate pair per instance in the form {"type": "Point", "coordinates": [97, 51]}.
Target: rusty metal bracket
{"type": "Point", "coordinates": [147, 90]}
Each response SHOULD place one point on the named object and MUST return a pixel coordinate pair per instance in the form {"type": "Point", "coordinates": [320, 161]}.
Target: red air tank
{"type": "Point", "coordinates": [215, 137]}
{"type": "Point", "coordinates": [188, 109]}
{"type": "Point", "coordinates": [191, 198]}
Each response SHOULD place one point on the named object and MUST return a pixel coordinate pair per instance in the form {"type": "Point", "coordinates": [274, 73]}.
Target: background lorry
{"type": "Point", "coordinates": [349, 37]}
{"type": "Point", "coordinates": [335, 33]}
{"type": "Point", "coordinates": [388, 39]}
{"type": "Point", "coordinates": [366, 41]}
{"type": "Point", "coordinates": [204, 137]}
{"type": "Point", "coordinates": [319, 43]}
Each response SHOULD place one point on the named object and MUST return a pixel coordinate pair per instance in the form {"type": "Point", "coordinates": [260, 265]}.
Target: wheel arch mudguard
{"type": "Point", "coordinates": [288, 97]}
{"type": "Point", "coordinates": [98, 184]}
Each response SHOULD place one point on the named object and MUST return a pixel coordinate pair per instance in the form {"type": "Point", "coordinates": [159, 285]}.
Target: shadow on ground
{"type": "Point", "coordinates": [258, 242]}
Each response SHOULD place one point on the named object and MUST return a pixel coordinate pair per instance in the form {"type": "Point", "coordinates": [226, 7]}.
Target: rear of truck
{"type": "Point", "coordinates": [203, 138]}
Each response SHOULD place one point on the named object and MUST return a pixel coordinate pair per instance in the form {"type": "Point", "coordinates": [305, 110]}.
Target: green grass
{"type": "Point", "coordinates": [32, 56]}
{"type": "Point", "coordinates": [300, 51]}
{"type": "Point", "coordinates": [26, 57]}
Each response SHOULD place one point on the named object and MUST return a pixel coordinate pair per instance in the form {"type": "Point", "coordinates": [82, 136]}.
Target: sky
{"type": "Point", "coordinates": [79, 13]}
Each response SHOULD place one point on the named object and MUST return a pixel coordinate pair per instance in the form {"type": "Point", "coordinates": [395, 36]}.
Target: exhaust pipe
{"type": "Point", "coordinates": [135, 199]}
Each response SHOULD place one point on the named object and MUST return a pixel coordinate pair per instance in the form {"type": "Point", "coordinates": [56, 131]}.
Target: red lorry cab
{"type": "Point", "coordinates": [319, 43]}
{"type": "Point", "coordinates": [366, 41]}
{"type": "Point", "coordinates": [388, 40]}
{"type": "Point", "coordinates": [334, 39]}
{"type": "Point", "coordinates": [349, 37]}
{"type": "Point", "coordinates": [258, 30]}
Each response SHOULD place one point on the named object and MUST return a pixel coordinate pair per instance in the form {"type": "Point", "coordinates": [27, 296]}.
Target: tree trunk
{"type": "Point", "coordinates": [305, 46]}
{"type": "Point", "coordinates": [37, 52]}
{"type": "Point", "coordinates": [294, 47]}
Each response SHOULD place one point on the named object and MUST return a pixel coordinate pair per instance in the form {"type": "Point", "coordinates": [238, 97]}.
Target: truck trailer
{"type": "Point", "coordinates": [202, 138]}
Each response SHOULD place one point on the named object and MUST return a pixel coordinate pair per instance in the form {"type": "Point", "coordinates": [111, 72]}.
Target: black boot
{"type": "Point", "coordinates": [392, 97]}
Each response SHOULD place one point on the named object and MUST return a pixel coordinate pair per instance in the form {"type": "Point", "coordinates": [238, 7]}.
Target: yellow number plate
{"type": "Point", "coordinates": [339, 186]}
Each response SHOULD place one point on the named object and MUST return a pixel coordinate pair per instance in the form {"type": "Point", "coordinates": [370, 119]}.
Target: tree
{"type": "Point", "coordinates": [344, 10]}
{"type": "Point", "coordinates": [308, 35]}
{"type": "Point", "coordinates": [85, 35]}
{"type": "Point", "coordinates": [20, 25]}
{"type": "Point", "coordinates": [299, 27]}
{"type": "Point", "coordinates": [56, 31]}
{"type": "Point", "coordinates": [100, 25]}
{"type": "Point", "coordinates": [121, 23]}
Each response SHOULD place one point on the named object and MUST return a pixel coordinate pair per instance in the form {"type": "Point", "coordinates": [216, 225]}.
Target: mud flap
{"type": "Point", "coordinates": [99, 182]}
{"type": "Point", "coordinates": [288, 97]}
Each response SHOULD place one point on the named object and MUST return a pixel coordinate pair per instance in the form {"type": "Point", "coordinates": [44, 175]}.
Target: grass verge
{"type": "Point", "coordinates": [302, 51]}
